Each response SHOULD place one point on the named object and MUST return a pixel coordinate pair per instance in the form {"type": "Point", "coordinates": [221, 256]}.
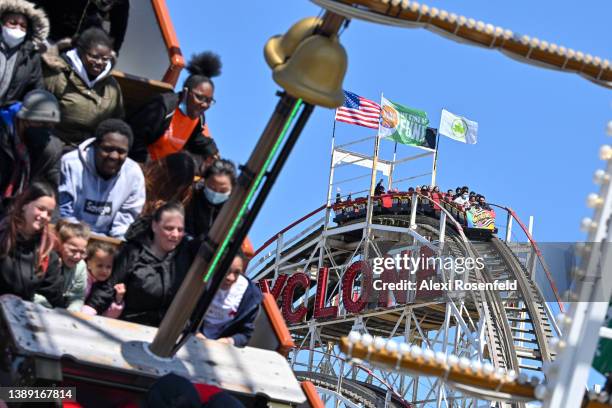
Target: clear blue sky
{"type": "Point", "coordinates": [540, 130]}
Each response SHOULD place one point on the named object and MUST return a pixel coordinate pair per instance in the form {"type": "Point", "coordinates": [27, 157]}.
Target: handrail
{"type": "Point", "coordinates": [310, 214]}
{"type": "Point", "coordinates": [177, 62]}
{"type": "Point", "coordinates": [359, 366]}
{"type": "Point", "coordinates": [287, 228]}
{"type": "Point", "coordinates": [448, 214]}
{"type": "Point", "coordinates": [535, 247]}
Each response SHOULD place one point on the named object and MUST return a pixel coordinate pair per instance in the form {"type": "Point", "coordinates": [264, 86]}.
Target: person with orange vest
{"type": "Point", "coordinates": [172, 122]}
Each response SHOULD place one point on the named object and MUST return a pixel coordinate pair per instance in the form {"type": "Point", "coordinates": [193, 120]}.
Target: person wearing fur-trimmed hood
{"type": "Point", "coordinates": [172, 122]}
{"type": "Point", "coordinates": [24, 31]}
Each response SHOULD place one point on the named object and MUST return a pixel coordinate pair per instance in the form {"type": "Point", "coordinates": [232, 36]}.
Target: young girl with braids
{"type": "Point", "coordinates": [28, 264]}
{"type": "Point", "coordinates": [172, 122]}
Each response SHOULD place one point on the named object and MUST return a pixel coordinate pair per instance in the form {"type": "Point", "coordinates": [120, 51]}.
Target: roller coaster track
{"type": "Point", "coordinates": [517, 324]}
{"type": "Point", "coordinates": [358, 392]}
{"type": "Point", "coordinates": [530, 327]}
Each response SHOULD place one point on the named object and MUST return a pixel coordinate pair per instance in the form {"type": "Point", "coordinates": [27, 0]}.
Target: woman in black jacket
{"type": "Point", "coordinates": [28, 264]}
{"type": "Point", "coordinates": [151, 264]}
{"type": "Point", "coordinates": [208, 197]}
{"type": "Point", "coordinates": [24, 29]}
{"type": "Point", "coordinates": [172, 122]}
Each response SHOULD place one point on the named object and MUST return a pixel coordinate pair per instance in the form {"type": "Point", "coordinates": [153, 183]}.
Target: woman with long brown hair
{"type": "Point", "coordinates": [28, 264]}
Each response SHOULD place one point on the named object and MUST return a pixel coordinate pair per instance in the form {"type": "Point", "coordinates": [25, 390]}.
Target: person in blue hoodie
{"type": "Point", "coordinates": [230, 318]}
{"type": "Point", "coordinates": [99, 184]}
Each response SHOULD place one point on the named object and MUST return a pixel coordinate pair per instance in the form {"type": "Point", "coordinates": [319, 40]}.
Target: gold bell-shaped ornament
{"type": "Point", "coordinates": [280, 47]}
{"type": "Point", "coordinates": [315, 71]}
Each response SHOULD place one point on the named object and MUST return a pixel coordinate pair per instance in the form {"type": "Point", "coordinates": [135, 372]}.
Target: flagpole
{"type": "Point", "coordinates": [331, 175]}
{"type": "Point", "coordinates": [370, 203]}
{"type": "Point", "coordinates": [435, 160]}
{"type": "Point", "coordinates": [392, 167]}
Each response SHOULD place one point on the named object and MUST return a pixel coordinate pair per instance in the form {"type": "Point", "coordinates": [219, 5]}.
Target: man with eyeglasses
{"type": "Point", "coordinates": [172, 122]}
{"type": "Point", "coordinates": [100, 185]}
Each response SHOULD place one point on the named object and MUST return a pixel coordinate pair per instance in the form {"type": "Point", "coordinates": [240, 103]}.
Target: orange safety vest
{"type": "Point", "coordinates": [176, 136]}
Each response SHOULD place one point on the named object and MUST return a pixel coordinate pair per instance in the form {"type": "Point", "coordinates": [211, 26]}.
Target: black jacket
{"type": "Point", "coordinates": [150, 282]}
{"type": "Point", "coordinates": [18, 274]}
{"type": "Point", "coordinates": [200, 214]}
{"type": "Point", "coordinates": [151, 121]}
{"type": "Point", "coordinates": [241, 327]}
{"type": "Point", "coordinates": [27, 74]}
{"type": "Point", "coordinates": [44, 155]}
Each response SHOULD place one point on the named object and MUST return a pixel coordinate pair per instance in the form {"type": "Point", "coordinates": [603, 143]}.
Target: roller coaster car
{"type": "Point", "coordinates": [477, 223]}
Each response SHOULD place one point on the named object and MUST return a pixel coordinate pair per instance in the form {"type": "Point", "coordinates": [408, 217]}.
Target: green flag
{"type": "Point", "coordinates": [603, 355]}
{"type": "Point", "coordinates": [404, 125]}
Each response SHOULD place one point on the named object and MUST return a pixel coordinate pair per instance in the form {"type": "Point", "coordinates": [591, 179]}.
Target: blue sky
{"type": "Point", "coordinates": [539, 130]}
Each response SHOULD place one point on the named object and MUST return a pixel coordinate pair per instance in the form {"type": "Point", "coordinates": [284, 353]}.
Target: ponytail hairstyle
{"type": "Point", "coordinates": [202, 67]}
{"type": "Point", "coordinates": [14, 222]}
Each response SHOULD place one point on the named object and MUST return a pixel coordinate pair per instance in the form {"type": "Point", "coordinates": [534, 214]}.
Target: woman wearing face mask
{"type": "Point", "coordinates": [87, 93]}
{"type": "Point", "coordinates": [208, 197]}
{"type": "Point", "coordinates": [152, 265]}
{"type": "Point", "coordinates": [172, 122]}
{"type": "Point", "coordinates": [462, 200]}
{"type": "Point", "coordinates": [28, 264]}
{"type": "Point", "coordinates": [24, 29]}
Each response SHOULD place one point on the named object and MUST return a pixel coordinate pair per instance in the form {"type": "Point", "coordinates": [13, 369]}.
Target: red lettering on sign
{"type": "Point", "coordinates": [352, 303]}
{"type": "Point", "coordinates": [297, 315]}
{"type": "Point", "coordinates": [277, 288]}
{"type": "Point", "coordinates": [320, 311]}
{"type": "Point", "coordinates": [396, 276]}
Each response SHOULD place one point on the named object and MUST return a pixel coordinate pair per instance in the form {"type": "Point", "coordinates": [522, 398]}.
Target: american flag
{"type": "Point", "coordinates": [358, 111]}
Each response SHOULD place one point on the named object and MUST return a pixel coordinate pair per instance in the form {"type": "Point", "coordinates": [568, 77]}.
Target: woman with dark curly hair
{"type": "Point", "coordinates": [28, 264]}
{"type": "Point", "coordinates": [172, 122]}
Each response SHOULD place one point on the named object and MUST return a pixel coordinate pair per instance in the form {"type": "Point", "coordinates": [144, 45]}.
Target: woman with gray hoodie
{"type": "Point", "coordinates": [24, 30]}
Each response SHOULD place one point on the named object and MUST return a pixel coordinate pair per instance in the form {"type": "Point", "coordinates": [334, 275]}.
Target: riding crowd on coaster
{"type": "Point", "coordinates": [77, 175]}
{"type": "Point", "coordinates": [461, 197]}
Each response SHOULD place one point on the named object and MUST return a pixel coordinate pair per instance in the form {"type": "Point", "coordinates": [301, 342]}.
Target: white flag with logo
{"type": "Point", "coordinates": [458, 127]}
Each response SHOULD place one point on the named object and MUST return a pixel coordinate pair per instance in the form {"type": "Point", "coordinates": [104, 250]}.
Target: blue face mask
{"type": "Point", "coordinates": [214, 197]}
